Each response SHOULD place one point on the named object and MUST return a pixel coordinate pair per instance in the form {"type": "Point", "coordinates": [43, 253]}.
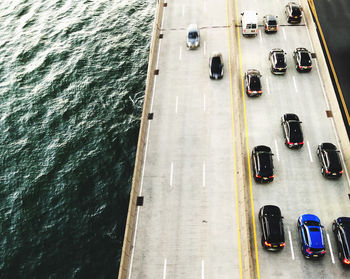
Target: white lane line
{"type": "Point", "coordinates": [205, 47]}
{"type": "Point", "coordinates": [176, 103]}
{"type": "Point", "coordinates": [277, 155]}
{"type": "Point", "coordinates": [260, 37]}
{"type": "Point", "coordinates": [267, 86]}
{"type": "Point", "coordinates": [203, 174]}
{"type": "Point", "coordinates": [295, 84]}
{"type": "Point", "coordinates": [291, 244]}
{"type": "Point", "coordinates": [146, 149]}
{"type": "Point", "coordinates": [171, 173]}
{"type": "Point", "coordinates": [202, 269]}
{"type": "Point", "coordinates": [164, 269]}
{"type": "Point", "coordinates": [204, 104]}
{"type": "Point", "coordinates": [180, 54]}
{"type": "Point", "coordinates": [183, 10]}
{"type": "Point", "coordinates": [330, 248]}
{"type": "Point", "coordinates": [284, 34]}
{"type": "Point", "coordinates": [309, 149]}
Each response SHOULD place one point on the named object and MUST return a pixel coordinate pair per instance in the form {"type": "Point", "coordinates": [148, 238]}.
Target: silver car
{"type": "Point", "coordinates": [193, 37]}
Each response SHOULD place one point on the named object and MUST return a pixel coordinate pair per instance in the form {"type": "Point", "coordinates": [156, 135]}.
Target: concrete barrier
{"type": "Point", "coordinates": [140, 153]}
{"type": "Point", "coordinates": [339, 126]}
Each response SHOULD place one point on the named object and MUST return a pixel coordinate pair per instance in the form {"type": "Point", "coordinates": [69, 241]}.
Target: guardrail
{"type": "Point", "coordinates": [140, 153]}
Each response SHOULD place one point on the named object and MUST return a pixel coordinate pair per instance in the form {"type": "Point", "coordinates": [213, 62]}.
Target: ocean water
{"type": "Point", "coordinates": [72, 79]}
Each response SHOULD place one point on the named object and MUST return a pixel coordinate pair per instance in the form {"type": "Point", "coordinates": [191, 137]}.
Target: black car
{"type": "Point", "coordinates": [270, 24]}
{"type": "Point", "coordinates": [293, 12]}
{"type": "Point", "coordinates": [216, 66]}
{"type": "Point", "coordinates": [341, 230]}
{"type": "Point", "coordinates": [262, 164]}
{"type": "Point", "coordinates": [292, 131]}
{"type": "Point", "coordinates": [302, 59]}
{"type": "Point", "coordinates": [272, 227]}
{"type": "Point", "coordinates": [330, 160]}
{"type": "Point", "coordinates": [252, 82]}
{"type": "Point", "coordinates": [278, 61]}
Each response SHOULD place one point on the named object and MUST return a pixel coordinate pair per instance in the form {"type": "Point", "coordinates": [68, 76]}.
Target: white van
{"type": "Point", "coordinates": [249, 23]}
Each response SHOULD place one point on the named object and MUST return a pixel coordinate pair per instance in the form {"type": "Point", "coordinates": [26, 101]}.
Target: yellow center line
{"type": "Point", "coordinates": [233, 141]}
{"type": "Point", "coordinates": [313, 9]}
{"type": "Point", "coordinates": [247, 143]}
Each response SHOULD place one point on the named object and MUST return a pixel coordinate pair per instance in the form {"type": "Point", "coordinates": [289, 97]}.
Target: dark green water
{"type": "Point", "coordinates": [72, 79]}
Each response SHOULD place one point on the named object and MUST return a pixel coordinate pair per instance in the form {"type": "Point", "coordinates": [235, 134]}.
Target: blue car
{"type": "Point", "coordinates": [311, 236]}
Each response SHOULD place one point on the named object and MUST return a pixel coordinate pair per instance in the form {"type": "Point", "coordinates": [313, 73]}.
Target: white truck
{"type": "Point", "coordinates": [249, 22]}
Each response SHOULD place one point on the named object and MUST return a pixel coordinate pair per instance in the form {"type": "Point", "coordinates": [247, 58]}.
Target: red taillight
{"type": "Point", "coordinates": [272, 176]}
{"type": "Point", "coordinates": [327, 171]}
{"type": "Point", "coordinates": [266, 28]}
{"type": "Point", "coordinates": [276, 28]}
{"type": "Point", "coordinates": [346, 261]}
{"type": "Point", "coordinates": [244, 30]}
{"type": "Point", "coordinates": [323, 252]}
{"type": "Point", "coordinates": [308, 251]}
{"type": "Point", "coordinates": [257, 31]}
{"type": "Point", "coordinates": [250, 91]}
{"type": "Point", "coordinates": [258, 176]}
{"type": "Point", "coordinates": [310, 67]}
{"type": "Point", "coordinates": [260, 91]}
{"type": "Point", "coordinates": [283, 244]}
{"type": "Point", "coordinates": [341, 172]}
{"type": "Point", "coordinates": [267, 244]}
{"type": "Point", "coordinates": [301, 143]}
{"type": "Point", "coordinates": [300, 67]}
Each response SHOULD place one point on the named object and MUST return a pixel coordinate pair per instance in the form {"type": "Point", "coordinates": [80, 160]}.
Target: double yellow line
{"type": "Point", "coordinates": [247, 144]}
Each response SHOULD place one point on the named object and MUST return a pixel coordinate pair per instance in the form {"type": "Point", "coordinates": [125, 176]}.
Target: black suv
{"type": "Point", "coordinates": [293, 12]}
{"type": "Point", "coordinates": [292, 131]}
{"type": "Point", "coordinates": [262, 164]}
{"type": "Point", "coordinates": [330, 160]}
{"type": "Point", "coordinates": [252, 82]}
{"type": "Point", "coordinates": [302, 59]}
{"type": "Point", "coordinates": [341, 230]}
{"type": "Point", "coordinates": [272, 227]}
{"type": "Point", "coordinates": [278, 61]}
{"type": "Point", "coordinates": [216, 66]}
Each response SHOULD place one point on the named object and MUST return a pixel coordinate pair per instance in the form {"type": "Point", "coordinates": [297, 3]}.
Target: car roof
{"type": "Point", "coordinates": [334, 160]}
{"type": "Point", "coordinates": [315, 237]}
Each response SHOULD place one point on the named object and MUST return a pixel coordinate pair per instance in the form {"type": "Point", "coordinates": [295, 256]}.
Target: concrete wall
{"type": "Point", "coordinates": [139, 160]}
{"type": "Point", "coordinates": [327, 82]}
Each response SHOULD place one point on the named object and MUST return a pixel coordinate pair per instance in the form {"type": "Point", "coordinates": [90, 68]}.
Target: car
{"type": "Point", "coordinates": [216, 66]}
{"type": "Point", "coordinates": [329, 158]}
{"type": "Point", "coordinates": [341, 230]}
{"type": "Point", "coordinates": [278, 61]}
{"type": "Point", "coordinates": [293, 12]}
{"type": "Point", "coordinates": [302, 58]}
{"type": "Point", "coordinates": [252, 82]}
{"type": "Point", "coordinates": [272, 227]}
{"type": "Point", "coordinates": [292, 130]}
{"type": "Point", "coordinates": [311, 236]}
{"type": "Point", "coordinates": [193, 36]}
{"type": "Point", "coordinates": [249, 23]}
{"type": "Point", "coordinates": [270, 23]}
{"type": "Point", "coordinates": [262, 164]}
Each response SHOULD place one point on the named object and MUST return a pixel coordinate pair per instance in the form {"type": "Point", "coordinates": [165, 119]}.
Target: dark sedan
{"type": "Point", "coordinates": [278, 61]}
{"type": "Point", "coordinates": [252, 82]}
{"type": "Point", "coordinates": [293, 12]}
{"type": "Point", "coordinates": [329, 157]}
{"type": "Point", "coordinates": [272, 227]}
{"type": "Point", "coordinates": [216, 66]}
{"type": "Point", "coordinates": [292, 130]}
{"type": "Point", "coordinates": [302, 59]}
{"type": "Point", "coordinates": [341, 230]}
{"type": "Point", "coordinates": [262, 164]}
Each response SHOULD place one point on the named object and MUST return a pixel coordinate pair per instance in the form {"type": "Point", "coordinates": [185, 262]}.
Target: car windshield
{"type": "Point", "coordinates": [280, 60]}
{"type": "Point", "coordinates": [272, 22]}
{"type": "Point", "coordinates": [296, 11]}
{"type": "Point", "coordinates": [254, 83]}
{"type": "Point", "coordinates": [311, 223]}
{"type": "Point", "coordinates": [192, 35]}
{"type": "Point", "coordinates": [295, 131]}
{"type": "Point", "coordinates": [305, 59]}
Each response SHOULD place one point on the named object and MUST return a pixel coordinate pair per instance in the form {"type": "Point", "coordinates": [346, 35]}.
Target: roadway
{"type": "Point", "coordinates": [299, 187]}
{"type": "Point", "coordinates": [188, 226]}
